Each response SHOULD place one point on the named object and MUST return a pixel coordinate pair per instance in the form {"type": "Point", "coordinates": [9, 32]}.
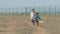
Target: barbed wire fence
{"type": "Point", "coordinates": [26, 11]}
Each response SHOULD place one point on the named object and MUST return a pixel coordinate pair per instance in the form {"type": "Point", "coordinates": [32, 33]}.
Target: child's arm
{"type": "Point", "coordinates": [39, 18]}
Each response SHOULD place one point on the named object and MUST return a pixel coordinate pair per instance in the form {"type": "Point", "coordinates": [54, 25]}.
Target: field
{"type": "Point", "coordinates": [22, 25]}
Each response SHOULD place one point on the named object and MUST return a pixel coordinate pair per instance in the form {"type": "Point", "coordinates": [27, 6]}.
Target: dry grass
{"type": "Point", "coordinates": [22, 24]}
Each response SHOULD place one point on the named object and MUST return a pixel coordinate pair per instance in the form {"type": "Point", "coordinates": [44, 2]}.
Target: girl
{"type": "Point", "coordinates": [32, 17]}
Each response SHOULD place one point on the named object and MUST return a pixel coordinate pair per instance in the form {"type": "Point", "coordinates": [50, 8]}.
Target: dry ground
{"type": "Point", "coordinates": [22, 25]}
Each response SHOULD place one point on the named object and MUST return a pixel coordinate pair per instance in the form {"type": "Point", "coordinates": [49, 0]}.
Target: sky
{"type": "Point", "coordinates": [28, 3]}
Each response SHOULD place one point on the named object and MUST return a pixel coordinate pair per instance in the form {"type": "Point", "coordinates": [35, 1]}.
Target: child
{"type": "Point", "coordinates": [32, 17]}
{"type": "Point", "coordinates": [37, 18]}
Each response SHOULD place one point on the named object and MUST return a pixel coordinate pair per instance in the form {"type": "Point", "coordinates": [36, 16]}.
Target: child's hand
{"type": "Point", "coordinates": [40, 19]}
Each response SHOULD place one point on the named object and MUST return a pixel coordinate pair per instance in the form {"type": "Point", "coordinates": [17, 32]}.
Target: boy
{"type": "Point", "coordinates": [37, 18]}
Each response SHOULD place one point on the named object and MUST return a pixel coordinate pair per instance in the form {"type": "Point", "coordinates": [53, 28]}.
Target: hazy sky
{"type": "Point", "coordinates": [24, 3]}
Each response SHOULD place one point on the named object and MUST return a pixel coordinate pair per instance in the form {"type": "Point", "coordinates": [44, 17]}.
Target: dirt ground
{"type": "Point", "coordinates": [22, 25]}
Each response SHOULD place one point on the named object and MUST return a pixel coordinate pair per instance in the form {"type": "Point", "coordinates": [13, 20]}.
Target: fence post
{"type": "Point", "coordinates": [5, 11]}
{"type": "Point", "coordinates": [55, 10]}
{"type": "Point", "coordinates": [49, 10]}
{"type": "Point", "coordinates": [13, 11]}
{"type": "Point", "coordinates": [2, 11]}
{"type": "Point", "coordinates": [26, 10]}
{"type": "Point", "coordinates": [45, 10]}
{"type": "Point", "coordinates": [21, 11]}
{"type": "Point", "coordinates": [17, 11]}
{"type": "Point", "coordinates": [39, 10]}
{"type": "Point", "coordinates": [9, 10]}
{"type": "Point", "coordinates": [30, 9]}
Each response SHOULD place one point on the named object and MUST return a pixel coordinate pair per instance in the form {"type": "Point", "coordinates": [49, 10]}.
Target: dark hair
{"type": "Point", "coordinates": [37, 13]}
{"type": "Point", "coordinates": [32, 9]}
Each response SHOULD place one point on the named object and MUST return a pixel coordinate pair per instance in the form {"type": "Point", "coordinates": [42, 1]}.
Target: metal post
{"type": "Point", "coordinates": [9, 10]}
{"type": "Point", "coordinates": [26, 10]}
{"type": "Point", "coordinates": [49, 10]}
{"type": "Point", "coordinates": [12, 10]}
{"type": "Point", "coordinates": [21, 11]}
{"type": "Point", "coordinates": [39, 10]}
{"type": "Point", "coordinates": [30, 10]}
{"type": "Point", "coordinates": [17, 11]}
{"type": "Point", "coordinates": [55, 10]}
{"type": "Point", "coordinates": [2, 10]}
{"type": "Point", "coordinates": [5, 11]}
{"type": "Point", "coordinates": [45, 10]}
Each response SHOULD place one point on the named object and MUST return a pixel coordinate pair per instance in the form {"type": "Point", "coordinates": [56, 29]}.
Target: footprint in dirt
{"type": "Point", "coordinates": [39, 30]}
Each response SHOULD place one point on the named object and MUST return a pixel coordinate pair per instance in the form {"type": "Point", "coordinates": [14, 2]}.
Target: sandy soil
{"type": "Point", "coordinates": [22, 25]}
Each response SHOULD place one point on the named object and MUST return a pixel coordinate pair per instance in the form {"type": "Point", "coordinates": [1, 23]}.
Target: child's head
{"type": "Point", "coordinates": [33, 10]}
{"type": "Point", "coordinates": [37, 13]}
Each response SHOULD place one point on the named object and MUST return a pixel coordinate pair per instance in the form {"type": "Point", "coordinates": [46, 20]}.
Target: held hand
{"type": "Point", "coordinates": [40, 19]}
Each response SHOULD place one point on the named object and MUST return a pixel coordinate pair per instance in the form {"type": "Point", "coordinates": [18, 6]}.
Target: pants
{"type": "Point", "coordinates": [33, 22]}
